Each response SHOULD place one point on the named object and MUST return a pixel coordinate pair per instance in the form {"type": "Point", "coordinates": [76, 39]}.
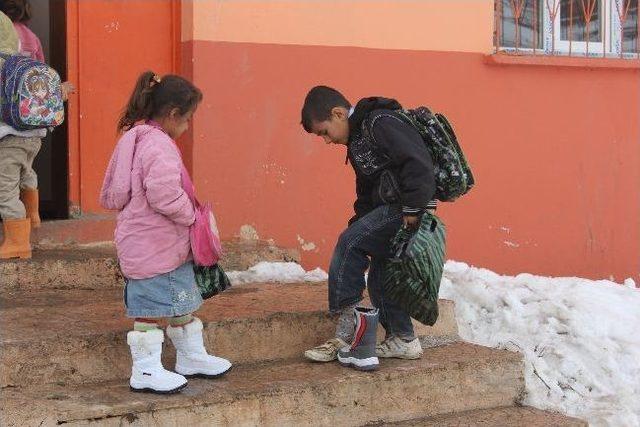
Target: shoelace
{"type": "Point", "coordinates": [387, 346]}
{"type": "Point", "coordinates": [330, 345]}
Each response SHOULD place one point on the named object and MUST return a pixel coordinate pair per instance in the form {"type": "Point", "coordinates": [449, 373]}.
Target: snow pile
{"type": "Point", "coordinates": [283, 272]}
{"type": "Point", "coordinates": [579, 337]}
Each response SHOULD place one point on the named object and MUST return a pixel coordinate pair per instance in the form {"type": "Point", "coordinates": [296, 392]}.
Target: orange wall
{"type": "Point", "coordinates": [458, 25]}
{"type": "Point", "coordinates": [555, 152]}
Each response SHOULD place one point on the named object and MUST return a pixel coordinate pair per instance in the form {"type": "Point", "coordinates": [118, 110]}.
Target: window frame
{"type": "Point", "coordinates": [552, 43]}
{"type": "Point", "coordinates": [593, 48]}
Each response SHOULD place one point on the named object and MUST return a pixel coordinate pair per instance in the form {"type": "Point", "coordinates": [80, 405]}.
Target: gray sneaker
{"type": "Point", "coordinates": [361, 354]}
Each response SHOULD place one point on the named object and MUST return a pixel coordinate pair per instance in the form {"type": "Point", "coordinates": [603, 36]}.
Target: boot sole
{"type": "Point", "coordinates": [150, 390]}
{"type": "Point", "coordinates": [368, 368]}
{"type": "Point", "coordinates": [13, 255]}
{"type": "Point", "coordinates": [404, 357]}
{"type": "Point", "coordinates": [208, 377]}
{"type": "Point", "coordinates": [352, 362]}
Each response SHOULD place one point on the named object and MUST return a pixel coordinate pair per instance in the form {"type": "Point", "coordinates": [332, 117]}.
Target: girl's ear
{"type": "Point", "coordinates": [174, 113]}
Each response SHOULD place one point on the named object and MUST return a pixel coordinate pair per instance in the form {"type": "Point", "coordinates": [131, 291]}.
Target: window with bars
{"type": "Point", "coordinates": [569, 27]}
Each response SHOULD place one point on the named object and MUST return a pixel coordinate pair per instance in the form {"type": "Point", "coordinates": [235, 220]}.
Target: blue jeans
{"type": "Point", "coordinates": [366, 244]}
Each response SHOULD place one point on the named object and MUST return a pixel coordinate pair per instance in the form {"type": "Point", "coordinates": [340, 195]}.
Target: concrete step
{"type": "Point", "coordinates": [512, 416]}
{"type": "Point", "coordinates": [451, 378]}
{"type": "Point", "coordinates": [86, 229]}
{"type": "Point", "coordinates": [96, 266]}
{"type": "Point", "coordinates": [79, 336]}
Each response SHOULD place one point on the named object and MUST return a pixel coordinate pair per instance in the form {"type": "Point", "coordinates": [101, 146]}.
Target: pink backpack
{"type": "Point", "coordinates": [205, 240]}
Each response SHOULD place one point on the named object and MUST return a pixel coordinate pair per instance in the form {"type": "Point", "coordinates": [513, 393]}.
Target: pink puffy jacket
{"type": "Point", "coordinates": [143, 181]}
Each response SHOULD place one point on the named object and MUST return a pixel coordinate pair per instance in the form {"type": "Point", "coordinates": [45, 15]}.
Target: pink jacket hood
{"type": "Point", "coordinates": [116, 187]}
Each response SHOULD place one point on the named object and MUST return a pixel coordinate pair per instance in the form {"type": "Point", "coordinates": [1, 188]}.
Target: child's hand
{"type": "Point", "coordinates": [67, 89]}
{"type": "Point", "coordinates": [411, 222]}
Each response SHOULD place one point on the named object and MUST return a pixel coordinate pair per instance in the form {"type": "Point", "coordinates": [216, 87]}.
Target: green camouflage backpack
{"type": "Point", "coordinates": [452, 172]}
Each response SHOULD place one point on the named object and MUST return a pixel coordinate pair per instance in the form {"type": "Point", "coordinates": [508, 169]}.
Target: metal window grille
{"type": "Point", "coordinates": [607, 28]}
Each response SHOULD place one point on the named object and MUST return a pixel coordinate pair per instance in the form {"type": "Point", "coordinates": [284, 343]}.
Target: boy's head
{"type": "Point", "coordinates": [326, 114]}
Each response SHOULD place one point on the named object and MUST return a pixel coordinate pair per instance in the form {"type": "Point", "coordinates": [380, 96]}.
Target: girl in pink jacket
{"type": "Point", "coordinates": [143, 182]}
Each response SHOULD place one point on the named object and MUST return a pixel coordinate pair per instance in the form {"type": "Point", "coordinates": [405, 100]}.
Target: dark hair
{"type": "Point", "coordinates": [156, 97]}
{"type": "Point", "coordinates": [16, 10]}
{"type": "Point", "coordinates": [318, 105]}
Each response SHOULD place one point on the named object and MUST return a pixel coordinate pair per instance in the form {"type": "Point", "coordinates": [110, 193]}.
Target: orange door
{"type": "Point", "coordinates": [109, 43]}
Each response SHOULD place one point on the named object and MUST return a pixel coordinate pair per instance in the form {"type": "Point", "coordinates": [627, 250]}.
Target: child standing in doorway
{"type": "Point", "coordinates": [18, 180]}
{"type": "Point", "coordinates": [20, 13]}
{"type": "Point", "coordinates": [143, 182]}
{"type": "Point", "coordinates": [19, 195]}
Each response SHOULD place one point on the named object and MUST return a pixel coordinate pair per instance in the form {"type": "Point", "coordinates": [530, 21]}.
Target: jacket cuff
{"type": "Point", "coordinates": [409, 211]}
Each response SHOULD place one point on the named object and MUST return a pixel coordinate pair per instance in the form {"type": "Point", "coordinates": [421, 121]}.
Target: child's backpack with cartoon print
{"type": "Point", "coordinates": [30, 94]}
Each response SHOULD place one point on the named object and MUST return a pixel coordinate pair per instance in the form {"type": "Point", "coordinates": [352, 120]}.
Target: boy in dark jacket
{"type": "Point", "coordinates": [395, 185]}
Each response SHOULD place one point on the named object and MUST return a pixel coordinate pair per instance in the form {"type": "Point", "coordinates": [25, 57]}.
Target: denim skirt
{"type": "Point", "coordinates": [166, 295]}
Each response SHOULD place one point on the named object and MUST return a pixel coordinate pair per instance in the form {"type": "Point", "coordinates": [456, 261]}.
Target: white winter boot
{"type": "Point", "coordinates": [147, 373]}
{"type": "Point", "coordinates": [192, 359]}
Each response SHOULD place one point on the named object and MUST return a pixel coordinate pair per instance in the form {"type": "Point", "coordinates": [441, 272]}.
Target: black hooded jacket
{"type": "Point", "coordinates": [390, 159]}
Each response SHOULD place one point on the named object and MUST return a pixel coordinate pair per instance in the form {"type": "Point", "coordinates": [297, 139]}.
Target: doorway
{"type": "Point", "coordinates": [49, 24]}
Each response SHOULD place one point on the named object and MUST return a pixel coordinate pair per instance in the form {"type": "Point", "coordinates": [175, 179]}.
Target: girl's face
{"type": "Point", "coordinates": [175, 124]}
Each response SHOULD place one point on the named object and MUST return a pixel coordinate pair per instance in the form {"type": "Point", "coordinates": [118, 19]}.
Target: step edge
{"type": "Point", "coordinates": [276, 315]}
{"type": "Point", "coordinates": [454, 415]}
{"type": "Point", "coordinates": [504, 356]}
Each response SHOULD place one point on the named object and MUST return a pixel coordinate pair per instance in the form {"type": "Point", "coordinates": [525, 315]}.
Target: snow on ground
{"type": "Point", "coordinates": [283, 272]}
{"type": "Point", "coordinates": [579, 337]}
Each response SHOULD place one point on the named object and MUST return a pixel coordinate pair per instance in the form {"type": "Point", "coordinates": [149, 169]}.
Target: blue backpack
{"type": "Point", "coordinates": [30, 94]}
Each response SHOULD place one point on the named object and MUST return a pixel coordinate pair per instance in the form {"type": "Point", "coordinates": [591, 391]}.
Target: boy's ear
{"type": "Point", "coordinates": [339, 113]}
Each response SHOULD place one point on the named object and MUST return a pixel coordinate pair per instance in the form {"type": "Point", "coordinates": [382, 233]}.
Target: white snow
{"type": "Point", "coordinates": [579, 337]}
{"type": "Point", "coordinates": [283, 272]}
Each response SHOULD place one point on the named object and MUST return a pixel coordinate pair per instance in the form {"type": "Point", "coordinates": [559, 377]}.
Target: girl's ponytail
{"type": "Point", "coordinates": [153, 97]}
{"type": "Point", "coordinates": [140, 104]}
